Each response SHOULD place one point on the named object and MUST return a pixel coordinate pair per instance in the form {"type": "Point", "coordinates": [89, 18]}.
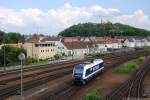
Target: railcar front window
{"type": "Point", "coordinates": [78, 69]}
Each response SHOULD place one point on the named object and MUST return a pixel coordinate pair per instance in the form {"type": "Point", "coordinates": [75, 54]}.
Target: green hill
{"type": "Point", "coordinates": [103, 29]}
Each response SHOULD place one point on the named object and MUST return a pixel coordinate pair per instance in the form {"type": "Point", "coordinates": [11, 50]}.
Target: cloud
{"type": "Point", "coordinates": [98, 9]}
{"type": "Point", "coordinates": [137, 19]}
{"type": "Point", "coordinates": [11, 17]}
{"type": "Point", "coordinates": [51, 22]}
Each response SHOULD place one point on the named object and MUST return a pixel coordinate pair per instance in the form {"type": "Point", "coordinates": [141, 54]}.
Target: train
{"type": "Point", "coordinates": [85, 71]}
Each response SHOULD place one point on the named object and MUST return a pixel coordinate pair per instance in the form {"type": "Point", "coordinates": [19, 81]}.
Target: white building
{"type": "Point", "coordinates": [135, 42]}
{"type": "Point", "coordinates": [101, 47]}
{"type": "Point", "coordinates": [116, 44]}
{"type": "Point", "coordinates": [129, 43]}
{"type": "Point", "coordinates": [76, 49]}
{"type": "Point", "coordinates": [95, 44]}
{"type": "Point", "coordinates": [109, 45]}
{"type": "Point", "coordinates": [58, 43]}
{"type": "Point", "coordinates": [146, 42]}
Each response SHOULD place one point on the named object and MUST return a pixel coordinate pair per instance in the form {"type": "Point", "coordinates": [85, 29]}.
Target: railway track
{"type": "Point", "coordinates": [133, 88]}
{"type": "Point", "coordinates": [30, 81]}
{"type": "Point", "coordinates": [71, 89]}
{"type": "Point", "coordinates": [14, 75]}
{"type": "Point", "coordinates": [16, 71]}
{"type": "Point", "coordinates": [38, 67]}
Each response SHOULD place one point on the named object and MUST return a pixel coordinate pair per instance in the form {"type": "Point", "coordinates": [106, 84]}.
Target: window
{"type": "Point", "coordinates": [101, 65]}
{"type": "Point", "coordinates": [78, 68]}
{"type": "Point", "coordinates": [95, 68]}
{"type": "Point", "coordinates": [88, 71]}
{"type": "Point", "coordinates": [36, 45]}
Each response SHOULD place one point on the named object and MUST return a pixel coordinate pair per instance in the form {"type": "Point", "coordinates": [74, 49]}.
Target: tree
{"type": "Point", "coordinates": [13, 37]}
{"type": "Point", "coordinates": [1, 36]}
{"type": "Point", "coordinates": [10, 37]}
{"type": "Point", "coordinates": [11, 55]}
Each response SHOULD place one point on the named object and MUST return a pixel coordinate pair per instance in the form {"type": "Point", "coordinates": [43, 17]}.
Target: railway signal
{"type": "Point", "coordinates": [21, 57]}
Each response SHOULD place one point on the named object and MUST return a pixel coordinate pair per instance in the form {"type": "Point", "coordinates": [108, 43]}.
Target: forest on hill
{"type": "Point", "coordinates": [103, 29]}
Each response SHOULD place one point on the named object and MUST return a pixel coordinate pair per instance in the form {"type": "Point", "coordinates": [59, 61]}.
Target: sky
{"type": "Point", "coordinates": [52, 16]}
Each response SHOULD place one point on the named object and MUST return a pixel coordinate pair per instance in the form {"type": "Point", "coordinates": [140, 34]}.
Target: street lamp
{"type": "Point", "coordinates": [21, 57]}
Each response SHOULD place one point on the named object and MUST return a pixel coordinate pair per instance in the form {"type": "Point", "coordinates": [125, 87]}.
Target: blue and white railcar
{"type": "Point", "coordinates": [85, 71]}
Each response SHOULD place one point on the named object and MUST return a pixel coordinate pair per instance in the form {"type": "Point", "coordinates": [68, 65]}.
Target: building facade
{"type": "Point", "coordinates": [40, 50]}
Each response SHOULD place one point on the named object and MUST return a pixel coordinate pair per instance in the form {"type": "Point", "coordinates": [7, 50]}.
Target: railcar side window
{"type": "Point", "coordinates": [95, 68]}
{"type": "Point", "coordinates": [101, 64]}
{"type": "Point", "coordinates": [88, 71]}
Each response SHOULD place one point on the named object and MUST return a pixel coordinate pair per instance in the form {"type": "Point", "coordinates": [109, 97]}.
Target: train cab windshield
{"type": "Point", "coordinates": [78, 68]}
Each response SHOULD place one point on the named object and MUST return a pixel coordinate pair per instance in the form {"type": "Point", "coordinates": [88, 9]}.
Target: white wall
{"type": "Point", "coordinates": [109, 45]}
{"type": "Point", "coordinates": [77, 52]}
{"type": "Point", "coordinates": [101, 48]}
{"type": "Point", "coordinates": [127, 43]}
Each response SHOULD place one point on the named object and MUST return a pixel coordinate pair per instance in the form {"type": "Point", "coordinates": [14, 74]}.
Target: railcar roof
{"type": "Point", "coordinates": [89, 63]}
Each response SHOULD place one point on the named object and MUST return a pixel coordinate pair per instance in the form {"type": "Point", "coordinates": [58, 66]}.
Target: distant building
{"type": "Point", "coordinates": [40, 50]}
{"type": "Point", "coordinates": [95, 44]}
{"type": "Point", "coordinates": [129, 42]}
{"type": "Point", "coordinates": [41, 47]}
{"type": "Point", "coordinates": [59, 46]}
{"type": "Point", "coordinates": [77, 49]}
{"type": "Point", "coordinates": [116, 44]}
{"type": "Point", "coordinates": [135, 42]}
{"type": "Point", "coordinates": [147, 41]}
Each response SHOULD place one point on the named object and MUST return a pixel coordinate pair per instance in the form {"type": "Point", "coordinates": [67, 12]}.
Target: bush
{"type": "Point", "coordinates": [30, 61]}
{"type": "Point", "coordinates": [139, 60]}
{"type": "Point", "coordinates": [59, 55]}
{"type": "Point", "coordinates": [130, 66]}
{"type": "Point", "coordinates": [51, 59]}
{"type": "Point", "coordinates": [93, 96]}
{"type": "Point", "coordinates": [126, 68]}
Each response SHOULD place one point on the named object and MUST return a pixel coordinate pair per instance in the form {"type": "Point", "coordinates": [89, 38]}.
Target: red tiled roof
{"type": "Point", "coordinates": [74, 45]}
{"type": "Point", "coordinates": [34, 39]}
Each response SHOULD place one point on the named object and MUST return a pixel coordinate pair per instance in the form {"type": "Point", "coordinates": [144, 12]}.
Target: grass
{"type": "Point", "coordinates": [147, 48]}
{"type": "Point", "coordinates": [130, 66]}
{"type": "Point", "coordinates": [41, 62]}
{"type": "Point", "coordinates": [95, 94]}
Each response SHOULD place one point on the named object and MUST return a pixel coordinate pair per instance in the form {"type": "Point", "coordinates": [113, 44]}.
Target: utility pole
{"type": "Point", "coordinates": [72, 49]}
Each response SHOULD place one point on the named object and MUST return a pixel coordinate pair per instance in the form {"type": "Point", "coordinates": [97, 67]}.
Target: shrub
{"type": "Point", "coordinates": [130, 66]}
{"type": "Point", "coordinates": [93, 96]}
{"type": "Point", "coordinates": [30, 61]}
{"type": "Point", "coordinates": [126, 68]}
